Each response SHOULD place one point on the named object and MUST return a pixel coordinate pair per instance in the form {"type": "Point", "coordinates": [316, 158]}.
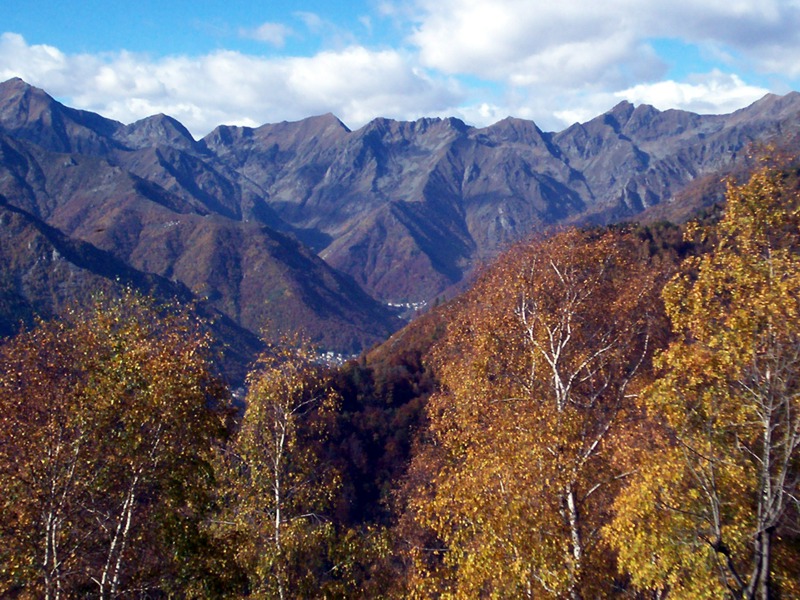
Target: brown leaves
{"type": "Point", "coordinates": [536, 371]}
{"type": "Point", "coordinates": [110, 418]}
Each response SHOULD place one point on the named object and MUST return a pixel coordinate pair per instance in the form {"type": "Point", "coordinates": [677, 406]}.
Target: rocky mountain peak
{"type": "Point", "coordinates": [311, 129]}
{"type": "Point", "coordinates": [329, 121]}
{"type": "Point", "coordinates": [30, 113]}
{"type": "Point", "coordinates": [515, 131]}
{"type": "Point", "coordinates": [158, 130]}
{"type": "Point", "coordinates": [771, 106]}
{"type": "Point", "coordinates": [286, 219]}
{"type": "Point", "coordinates": [227, 135]}
{"type": "Point", "coordinates": [643, 115]}
{"type": "Point", "coordinates": [619, 116]}
{"type": "Point", "coordinates": [426, 132]}
{"type": "Point", "coordinates": [22, 104]}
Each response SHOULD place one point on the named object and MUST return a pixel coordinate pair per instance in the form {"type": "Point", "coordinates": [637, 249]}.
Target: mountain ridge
{"type": "Point", "coordinates": [290, 219]}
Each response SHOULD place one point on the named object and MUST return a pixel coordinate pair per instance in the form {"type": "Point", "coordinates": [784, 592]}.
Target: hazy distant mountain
{"type": "Point", "coordinates": [311, 225]}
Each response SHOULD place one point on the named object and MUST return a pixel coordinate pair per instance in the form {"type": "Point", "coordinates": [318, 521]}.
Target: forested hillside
{"type": "Point", "coordinates": [606, 412]}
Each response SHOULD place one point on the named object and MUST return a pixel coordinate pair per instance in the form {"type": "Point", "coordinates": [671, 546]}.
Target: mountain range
{"type": "Point", "coordinates": [311, 226]}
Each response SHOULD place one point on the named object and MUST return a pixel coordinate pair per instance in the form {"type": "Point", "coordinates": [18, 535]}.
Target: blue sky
{"type": "Point", "coordinates": [249, 63]}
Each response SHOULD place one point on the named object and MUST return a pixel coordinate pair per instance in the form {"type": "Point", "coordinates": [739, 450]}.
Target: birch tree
{"type": "Point", "coordinates": [536, 373]}
{"type": "Point", "coordinates": [713, 513]}
{"type": "Point", "coordinates": [46, 431]}
{"type": "Point", "coordinates": [109, 422]}
{"type": "Point", "coordinates": [281, 492]}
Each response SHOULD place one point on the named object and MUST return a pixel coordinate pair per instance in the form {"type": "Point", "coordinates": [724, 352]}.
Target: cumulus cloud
{"type": "Point", "coordinates": [366, 84]}
{"type": "Point", "coordinates": [229, 87]}
{"type": "Point", "coordinates": [567, 61]}
{"type": "Point", "coordinates": [526, 43]}
{"type": "Point", "coordinates": [39, 62]}
{"type": "Point", "coordinates": [712, 93]}
{"type": "Point", "coordinates": [481, 60]}
{"type": "Point", "coordinates": [571, 43]}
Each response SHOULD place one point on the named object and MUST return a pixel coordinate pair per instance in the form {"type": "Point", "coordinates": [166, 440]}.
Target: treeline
{"type": "Point", "coordinates": [607, 412]}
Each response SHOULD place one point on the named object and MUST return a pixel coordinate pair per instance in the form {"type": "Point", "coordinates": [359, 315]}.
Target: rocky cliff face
{"type": "Point", "coordinates": [310, 225]}
{"type": "Point", "coordinates": [407, 209]}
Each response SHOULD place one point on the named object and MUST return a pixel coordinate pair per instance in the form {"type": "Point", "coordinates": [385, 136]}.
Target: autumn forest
{"type": "Point", "coordinates": [606, 412]}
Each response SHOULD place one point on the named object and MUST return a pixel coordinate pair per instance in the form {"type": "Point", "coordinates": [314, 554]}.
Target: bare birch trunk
{"type": "Point", "coordinates": [576, 542]}
{"type": "Point", "coordinates": [110, 578]}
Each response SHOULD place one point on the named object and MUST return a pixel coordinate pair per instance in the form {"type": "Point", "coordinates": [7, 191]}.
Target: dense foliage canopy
{"type": "Point", "coordinates": [109, 419]}
{"type": "Point", "coordinates": [713, 513]}
{"type": "Point", "coordinates": [538, 371]}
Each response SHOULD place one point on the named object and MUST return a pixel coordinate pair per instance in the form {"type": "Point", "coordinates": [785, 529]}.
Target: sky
{"type": "Point", "coordinates": [250, 63]}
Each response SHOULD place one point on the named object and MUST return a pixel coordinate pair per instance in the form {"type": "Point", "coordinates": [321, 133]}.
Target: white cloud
{"type": "Point", "coordinates": [523, 42]}
{"type": "Point", "coordinates": [480, 60]}
{"type": "Point", "coordinates": [229, 87]}
{"type": "Point", "coordinates": [274, 34]}
{"type": "Point", "coordinates": [562, 44]}
{"type": "Point", "coordinates": [708, 93]}
{"type": "Point", "coordinates": [712, 93]}
{"type": "Point", "coordinates": [481, 115]}
{"type": "Point", "coordinates": [312, 21]}
{"type": "Point", "coordinates": [566, 61]}
{"type": "Point", "coordinates": [17, 59]}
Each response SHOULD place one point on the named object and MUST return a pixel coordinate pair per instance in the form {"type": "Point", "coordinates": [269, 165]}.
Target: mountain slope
{"type": "Point", "coordinates": [474, 191]}
{"type": "Point", "coordinates": [162, 210]}
{"type": "Point", "coordinates": [302, 224]}
{"type": "Point", "coordinates": [45, 272]}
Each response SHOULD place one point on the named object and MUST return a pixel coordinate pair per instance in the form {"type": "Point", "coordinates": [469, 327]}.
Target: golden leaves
{"type": "Point", "coordinates": [699, 516]}
{"type": "Point", "coordinates": [113, 418]}
{"type": "Point", "coordinates": [278, 487]}
{"type": "Point", "coordinates": [536, 369]}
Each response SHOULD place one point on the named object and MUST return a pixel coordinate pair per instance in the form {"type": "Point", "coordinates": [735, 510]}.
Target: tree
{"type": "Point", "coordinates": [43, 415]}
{"type": "Point", "coordinates": [536, 374]}
{"type": "Point", "coordinates": [280, 492]}
{"type": "Point", "coordinates": [710, 513]}
{"type": "Point", "coordinates": [109, 419]}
